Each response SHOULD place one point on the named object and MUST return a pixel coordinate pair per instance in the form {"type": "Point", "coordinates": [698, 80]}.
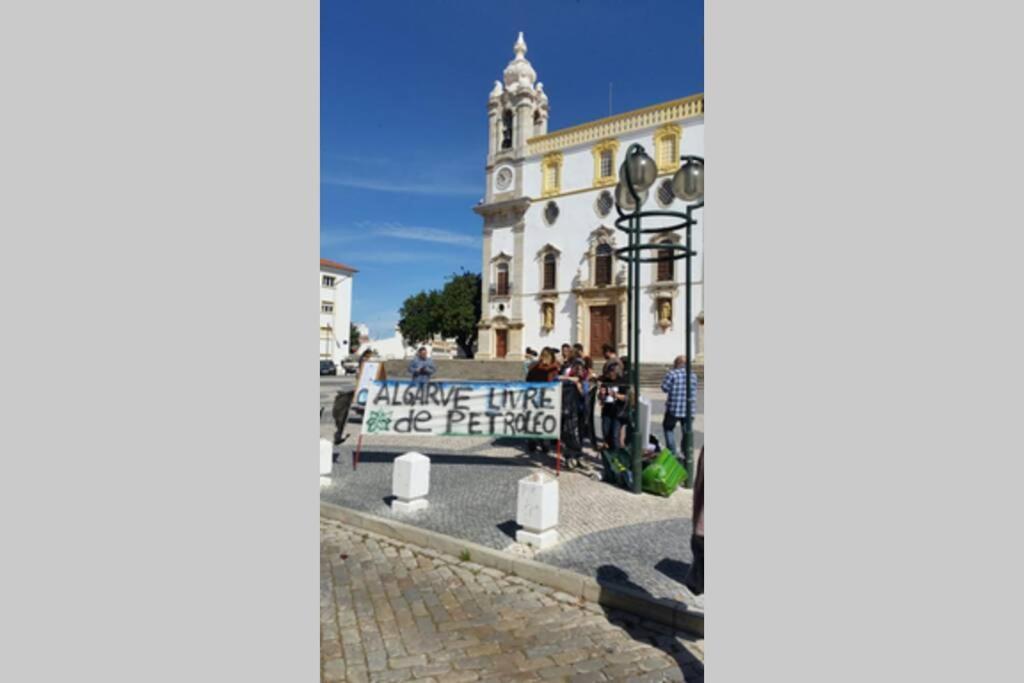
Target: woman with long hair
{"type": "Point", "coordinates": [544, 370]}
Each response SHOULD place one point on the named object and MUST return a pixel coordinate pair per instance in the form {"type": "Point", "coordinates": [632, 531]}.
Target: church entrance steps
{"type": "Point", "coordinates": [651, 374]}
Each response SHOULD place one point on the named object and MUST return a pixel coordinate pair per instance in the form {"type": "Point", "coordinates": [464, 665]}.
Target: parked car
{"type": "Point", "coordinates": [327, 367]}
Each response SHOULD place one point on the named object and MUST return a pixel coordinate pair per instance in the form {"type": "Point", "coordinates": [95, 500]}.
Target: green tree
{"type": "Point", "coordinates": [452, 312]}
{"type": "Point", "coordinates": [418, 317]}
{"type": "Point", "coordinates": [353, 338]}
{"type": "Point", "coordinates": [459, 311]}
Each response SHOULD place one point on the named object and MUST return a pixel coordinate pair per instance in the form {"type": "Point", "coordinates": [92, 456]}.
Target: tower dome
{"type": "Point", "coordinates": [519, 73]}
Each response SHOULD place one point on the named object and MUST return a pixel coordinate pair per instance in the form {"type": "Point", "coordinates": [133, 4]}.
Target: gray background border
{"type": "Point", "coordinates": [159, 215]}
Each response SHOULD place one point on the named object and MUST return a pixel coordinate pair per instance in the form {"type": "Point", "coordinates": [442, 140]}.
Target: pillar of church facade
{"type": "Point", "coordinates": [518, 272]}
{"type": "Point", "coordinates": [484, 331]}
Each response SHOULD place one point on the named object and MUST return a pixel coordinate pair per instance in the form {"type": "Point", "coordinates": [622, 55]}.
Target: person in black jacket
{"type": "Point", "coordinates": [612, 398]}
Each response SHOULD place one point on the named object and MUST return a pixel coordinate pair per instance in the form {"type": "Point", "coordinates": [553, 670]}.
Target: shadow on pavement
{"type": "Point", "coordinates": [443, 459]}
{"type": "Point", "coordinates": [673, 569]}
{"type": "Point", "coordinates": [509, 528]}
{"type": "Point", "coordinates": [691, 669]}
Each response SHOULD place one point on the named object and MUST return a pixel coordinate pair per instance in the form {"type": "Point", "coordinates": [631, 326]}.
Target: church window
{"type": "Point", "coordinates": [603, 265]}
{"type": "Point", "coordinates": [551, 174]}
{"type": "Point", "coordinates": [668, 151]}
{"type": "Point", "coordinates": [502, 279]}
{"type": "Point", "coordinates": [604, 162]}
{"type": "Point", "coordinates": [549, 271]}
{"type": "Point", "coordinates": [605, 203]}
{"type": "Point", "coordinates": [666, 266]}
{"type": "Point", "coordinates": [666, 142]}
{"type": "Point", "coordinates": [506, 129]}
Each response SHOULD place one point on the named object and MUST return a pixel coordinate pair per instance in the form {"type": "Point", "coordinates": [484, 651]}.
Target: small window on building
{"type": "Point", "coordinates": [606, 163]}
{"type": "Point", "coordinates": [666, 266]}
{"type": "Point", "coordinates": [506, 129]}
{"type": "Point", "coordinates": [605, 203]}
{"type": "Point", "coordinates": [603, 265]}
{"type": "Point", "coordinates": [326, 307]}
{"type": "Point", "coordinates": [668, 151]}
{"type": "Point", "coordinates": [328, 281]}
{"type": "Point", "coordinates": [666, 141]}
{"type": "Point", "coordinates": [549, 271]}
{"type": "Point", "coordinates": [551, 178]}
{"type": "Point", "coordinates": [502, 279]}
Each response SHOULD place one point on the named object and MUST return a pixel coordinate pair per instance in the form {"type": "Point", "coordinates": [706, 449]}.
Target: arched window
{"type": "Point", "coordinates": [603, 265]}
{"type": "Point", "coordinates": [666, 266]}
{"type": "Point", "coordinates": [502, 279]}
{"type": "Point", "coordinates": [549, 271]}
{"type": "Point", "coordinates": [506, 129]}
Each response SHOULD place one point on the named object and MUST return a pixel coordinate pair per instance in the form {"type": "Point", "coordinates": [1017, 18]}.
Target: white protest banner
{"type": "Point", "coordinates": [524, 410]}
{"type": "Point", "coordinates": [371, 369]}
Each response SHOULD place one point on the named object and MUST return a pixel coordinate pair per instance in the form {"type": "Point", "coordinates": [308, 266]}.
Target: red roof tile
{"type": "Point", "coordinates": [335, 264]}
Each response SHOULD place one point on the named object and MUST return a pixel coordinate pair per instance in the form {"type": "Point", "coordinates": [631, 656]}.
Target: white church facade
{"type": "Point", "coordinates": [549, 272]}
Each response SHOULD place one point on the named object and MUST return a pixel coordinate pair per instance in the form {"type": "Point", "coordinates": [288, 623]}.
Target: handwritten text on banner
{"type": "Point", "coordinates": [513, 409]}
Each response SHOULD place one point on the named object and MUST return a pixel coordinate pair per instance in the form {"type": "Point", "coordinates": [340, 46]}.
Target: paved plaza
{"type": "Point", "coordinates": [605, 532]}
{"type": "Point", "coordinates": [390, 611]}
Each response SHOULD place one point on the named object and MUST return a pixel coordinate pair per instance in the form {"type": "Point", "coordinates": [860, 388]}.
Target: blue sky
{"type": "Point", "coordinates": [403, 117]}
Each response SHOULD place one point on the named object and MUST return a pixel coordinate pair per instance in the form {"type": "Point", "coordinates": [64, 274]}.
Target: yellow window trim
{"type": "Point", "coordinates": [662, 137]}
{"type": "Point", "coordinates": [553, 160]}
{"type": "Point", "coordinates": [609, 145]}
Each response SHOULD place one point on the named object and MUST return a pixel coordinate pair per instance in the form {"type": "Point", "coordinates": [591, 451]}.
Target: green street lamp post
{"type": "Point", "coordinates": [636, 175]}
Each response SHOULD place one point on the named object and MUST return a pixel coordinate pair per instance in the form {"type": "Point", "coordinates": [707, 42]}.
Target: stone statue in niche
{"type": "Point", "coordinates": [549, 315]}
{"type": "Point", "coordinates": [665, 313]}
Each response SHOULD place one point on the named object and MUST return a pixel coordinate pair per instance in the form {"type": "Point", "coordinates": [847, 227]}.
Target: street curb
{"type": "Point", "coordinates": [662, 610]}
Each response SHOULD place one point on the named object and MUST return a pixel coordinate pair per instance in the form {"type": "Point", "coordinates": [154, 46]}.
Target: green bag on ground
{"type": "Point", "coordinates": [618, 467]}
{"type": "Point", "coordinates": [664, 475]}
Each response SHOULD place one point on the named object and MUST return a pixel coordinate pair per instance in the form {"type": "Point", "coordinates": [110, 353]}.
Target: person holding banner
{"type": "Point", "coordinates": [544, 370]}
{"type": "Point", "coordinates": [421, 367]}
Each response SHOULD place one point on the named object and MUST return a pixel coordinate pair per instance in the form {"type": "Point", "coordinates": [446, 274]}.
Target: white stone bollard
{"type": "Point", "coordinates": [410, 482]}
{"type": "Point", "coordinates": [326, 456]}
{"type": "Point", "coordinates": [537, 510]}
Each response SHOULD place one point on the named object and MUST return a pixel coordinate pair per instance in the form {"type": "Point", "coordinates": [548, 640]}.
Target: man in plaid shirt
{"type": "Point", "coordinates": [674, 385]}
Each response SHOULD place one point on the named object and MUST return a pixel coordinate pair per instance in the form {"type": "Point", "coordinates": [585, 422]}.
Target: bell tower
{"type": "Point", "coordinates": [517, 110]}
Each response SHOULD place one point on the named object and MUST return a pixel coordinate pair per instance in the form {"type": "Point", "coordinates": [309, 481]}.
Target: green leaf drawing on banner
{"type": "Point", "coordinates": [378, 421]}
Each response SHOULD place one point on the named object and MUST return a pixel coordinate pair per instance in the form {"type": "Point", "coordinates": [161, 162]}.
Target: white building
{"type": "Point", "coordinates": [396, 347]}
{"type": "Point", "coordinates": [335, 309]}
{"type": "Point", "coordinates": [549, 274]}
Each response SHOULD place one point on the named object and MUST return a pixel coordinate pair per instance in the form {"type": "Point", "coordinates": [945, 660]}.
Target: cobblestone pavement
{"type": "Point", "coordinates": [390, 611]}
{"type": "Point", "coordinates": [604, 532]}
